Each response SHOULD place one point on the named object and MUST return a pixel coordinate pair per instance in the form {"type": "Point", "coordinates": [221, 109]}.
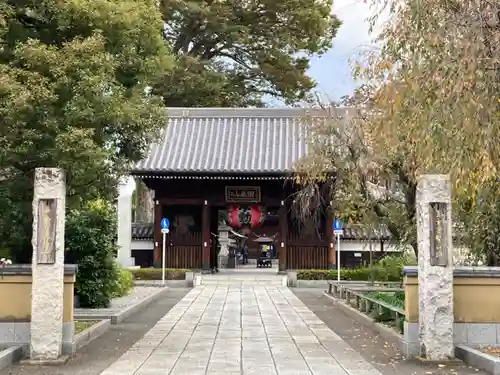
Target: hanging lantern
{"type": "Point", "coordinates": [240, 217]}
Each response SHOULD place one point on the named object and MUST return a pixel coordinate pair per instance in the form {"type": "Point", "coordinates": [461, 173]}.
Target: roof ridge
{"type": "Point", "coordinates": [255, 112]}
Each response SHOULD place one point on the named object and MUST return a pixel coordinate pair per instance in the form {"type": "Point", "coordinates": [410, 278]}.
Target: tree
{"type": "Point", "coordinates": [437, 76]}
{"type": "Point", "coordinates": [75, 80]}
{"type": "Point", "coordinates": [231, 53]}
{"type": "Point", "coordinates": [370, 188]}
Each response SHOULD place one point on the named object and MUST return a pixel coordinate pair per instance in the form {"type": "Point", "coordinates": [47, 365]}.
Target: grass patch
{"type": "Point", "coordinates": [82, 325]}
{"type": "Point", "coordinates": [386, 316]}
{"type": "Point", "coordinates": [396, 299]}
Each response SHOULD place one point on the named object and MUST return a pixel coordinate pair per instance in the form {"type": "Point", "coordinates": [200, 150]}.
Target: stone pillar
{"type": "Point", "coordinates": [435, 266]}
{"type": "Point", "coordinates": [224, 246]}
{"type": "Point", "coordinates": [49, 209]}
{"type": "Point", "coordinates": [124, 241]}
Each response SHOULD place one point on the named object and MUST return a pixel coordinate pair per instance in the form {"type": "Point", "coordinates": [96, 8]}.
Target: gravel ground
{"type": "Point", "coordinates": [383, 354]}
{"type": "Point", "coordinates": [103, 351]}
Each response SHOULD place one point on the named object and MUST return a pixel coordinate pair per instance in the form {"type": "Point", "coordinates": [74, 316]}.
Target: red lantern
{"type": "Point", "coordinates": [239, 217]}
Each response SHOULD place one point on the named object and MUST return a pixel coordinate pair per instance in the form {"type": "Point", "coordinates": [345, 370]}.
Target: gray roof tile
{"type": "Point", "coordinates": [241, 140]}
{"type": "Point", "coordinates": [362, 232]}
{"type": "Point", "coordinates": [142, 231]}
{"type": "Point", "coordinates": [352, 232]}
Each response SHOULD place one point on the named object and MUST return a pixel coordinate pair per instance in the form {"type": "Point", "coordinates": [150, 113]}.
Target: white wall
{"type": "Point", "coordinates": [362, 246]}
{"type": "Point", "coordinates": [142, 245]}
{"type": "Point", "coordinates": [124, 218]}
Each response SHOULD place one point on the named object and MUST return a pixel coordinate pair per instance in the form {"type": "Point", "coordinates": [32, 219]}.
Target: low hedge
{"type": "Point", "coordinates": [155, 274]}
{"type": "Point", "coordinates": [361, 274]}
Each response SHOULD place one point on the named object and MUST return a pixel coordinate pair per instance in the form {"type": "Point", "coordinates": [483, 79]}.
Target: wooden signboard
{"type": "Point", "coordinates": [46, 231]}
{"type": "Point", "coordinates": [243, 194]}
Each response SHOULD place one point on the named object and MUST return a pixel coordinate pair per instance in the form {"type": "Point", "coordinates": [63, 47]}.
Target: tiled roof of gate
{"type": "Point", "coordinates": [142, 231]}
{"type": "Point", "coordinates": [231, 140]}
{"type": "Point", "coordinates": [352, 232]}
{"type": "Point", "coordinates": [362, 232]}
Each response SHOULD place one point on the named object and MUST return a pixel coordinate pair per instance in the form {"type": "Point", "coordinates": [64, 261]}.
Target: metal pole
{"type": "Point", "coordinates": [163, 260]}
{"type": "Point", "coordinates": [338, 257]}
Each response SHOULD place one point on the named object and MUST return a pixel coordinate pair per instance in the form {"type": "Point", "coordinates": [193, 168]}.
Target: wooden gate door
{"type": "Point", "coordinates": [183, 251]}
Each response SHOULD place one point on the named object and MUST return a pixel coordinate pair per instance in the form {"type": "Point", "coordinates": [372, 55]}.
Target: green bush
{"type": "Point", "coordinates": [388, 268]}
{"type": "Point", "coordinates": [5, 253]}
{"type": "Point", "coordinates": [124, 284]}
{"type": "Point", "coordinates": [155, 273]}
{"type": "Point", "coordinates": [90, 243]}
{"type": "Point", "coordinates": [359, 274]}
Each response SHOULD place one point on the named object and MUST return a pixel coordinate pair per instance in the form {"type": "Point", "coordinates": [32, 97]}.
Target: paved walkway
{"type": "Point", "coordinates": [225, 330]}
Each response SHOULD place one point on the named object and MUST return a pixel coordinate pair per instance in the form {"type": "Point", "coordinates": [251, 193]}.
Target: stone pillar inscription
{"type": "Point", "coordinates": [435, 266]}
{"type": "Point", "coordinates": [49, 207]}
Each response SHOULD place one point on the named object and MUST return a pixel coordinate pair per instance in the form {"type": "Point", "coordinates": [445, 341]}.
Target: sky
{"type": "Point", "coordinates": [332, 71]}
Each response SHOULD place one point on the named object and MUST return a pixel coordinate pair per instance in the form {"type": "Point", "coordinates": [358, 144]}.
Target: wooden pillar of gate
{"type": "Point", "coordinates": [283, 225]}
{"type": "Point", "coordinates": [157, 234]}
{"type": "Point", "coordinates": [205, 236]}
{"type": "Point", "coordinates": [330, 239]}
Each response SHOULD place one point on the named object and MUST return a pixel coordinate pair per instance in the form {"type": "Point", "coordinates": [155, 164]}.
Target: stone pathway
{"type": "Point", "coordinates": [382, 353]}
{"type": "Point", "coordinates": [101, 353]}
{"type": "Point", "coordinates": [227, 330]}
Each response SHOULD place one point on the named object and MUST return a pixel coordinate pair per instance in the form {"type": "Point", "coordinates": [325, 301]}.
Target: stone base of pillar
{"type": "Point", "coordinates": [222, 261]}
{"type": "Point", "coordinates": [62, 360]}
{"type": "Point", "coordinates": [332, 266]}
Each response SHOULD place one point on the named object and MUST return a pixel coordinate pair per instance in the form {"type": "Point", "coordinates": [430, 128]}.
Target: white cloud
{"type": "Point", "coordinates": [332, 71]}
{"type": "Point", "coordinates": [354, 32]}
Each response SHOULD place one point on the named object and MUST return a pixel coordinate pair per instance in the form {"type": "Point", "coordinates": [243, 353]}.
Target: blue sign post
{"type": "Point", "coordinates": [337, 230]}
{"type": "Point", "coordinates": [337, 226]}
{"type": "Point", "coordinates": [165, 224]}
{"type": "Point", "coordinates": [164, 230]}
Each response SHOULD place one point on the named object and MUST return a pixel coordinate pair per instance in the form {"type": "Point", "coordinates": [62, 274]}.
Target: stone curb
{"type": "Point", "coordinates": [168, 283]}
{"type": "Point", "coordinates": [91, 333]}
{"type": "Point", "coordinates": [476, 358]}
{"type": "Point", "coordinates": [126, 312]}
{"type": "Point", "coordinates": [312, 284]}
{"type": "Point", "coordinates": [10, 355]}
{"type": "Point", "coordinates": [386, 332]}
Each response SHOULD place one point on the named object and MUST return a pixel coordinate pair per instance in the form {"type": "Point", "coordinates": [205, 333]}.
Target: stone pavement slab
{"type": "Point", "coordinates": [383, 354]}
{"type": "Point", "coordinates": [244, 330]}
